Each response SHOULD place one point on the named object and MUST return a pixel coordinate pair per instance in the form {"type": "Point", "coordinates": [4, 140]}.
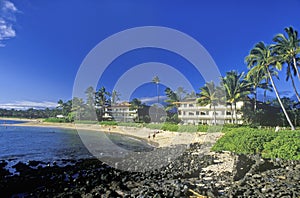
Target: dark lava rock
{"type": "Point", "coordinates": [242, 166]}
{"type": "Point", "coordinates": [253, 177]}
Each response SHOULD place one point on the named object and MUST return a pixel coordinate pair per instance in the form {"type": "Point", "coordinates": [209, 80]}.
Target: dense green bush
{"type": "Point", "coordinates": [86, 122]}
{"type": "Point", "coordinates": [108, 123]}
{"type": "Point", "coordinates": [286, 146]}
{"type": "Point", "coordinates": [56, 120]}
{"type": "Point", "coordinates": [169, 127]}
{"type": "Point", "coordinates": [244, 140]}
{"type": "Point", "coordinates": [202, 128]}
{"type": "Point", "coordinates": [271, 144]}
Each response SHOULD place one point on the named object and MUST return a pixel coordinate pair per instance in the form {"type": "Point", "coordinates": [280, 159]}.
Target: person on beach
{"type": "Point", "coordinates": [153, 135]}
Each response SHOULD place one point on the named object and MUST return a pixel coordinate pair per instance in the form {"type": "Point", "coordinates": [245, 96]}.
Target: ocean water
{"type": "Point", "coordinates": [18, 143]}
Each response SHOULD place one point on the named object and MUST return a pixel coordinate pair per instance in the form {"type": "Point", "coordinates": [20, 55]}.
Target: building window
{"type": "Point", "coordinates": [184, 105]}
{"type": "Point", "coordinates": [191, 105]}
{"type": "Point", "coordinates": [228, 113]}
{"type": "Point", "coordinates": [203, 113]}
{"type": "Point", "coordinates": [191, 113]}
{"type": "Point", "coordinates": [197, 113]}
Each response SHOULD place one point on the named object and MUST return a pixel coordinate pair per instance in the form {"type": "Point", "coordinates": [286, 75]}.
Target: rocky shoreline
{"type": "Point", "coordinates": [194, 173]}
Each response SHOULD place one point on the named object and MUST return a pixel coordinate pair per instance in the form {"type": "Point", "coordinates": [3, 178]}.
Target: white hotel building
{"type": "Point", "coordinates": [190, 112]}
{"type": "Point", "coordinates": [121, 112]}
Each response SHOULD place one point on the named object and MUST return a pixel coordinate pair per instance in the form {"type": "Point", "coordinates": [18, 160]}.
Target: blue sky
{"type": "Point", "coordinates": [43, 43]}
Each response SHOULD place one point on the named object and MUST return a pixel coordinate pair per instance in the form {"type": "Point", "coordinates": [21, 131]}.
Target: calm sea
{"type": "Point", "coordinates": [19, 143]}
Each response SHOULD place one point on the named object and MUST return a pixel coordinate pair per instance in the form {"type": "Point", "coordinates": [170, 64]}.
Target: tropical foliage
{"type": "Point", "coordinates": [268, 143]}
{"type": "Point", "coordinates": [236, 89]}
{"type": "Point", "coordinates": [261, 58]}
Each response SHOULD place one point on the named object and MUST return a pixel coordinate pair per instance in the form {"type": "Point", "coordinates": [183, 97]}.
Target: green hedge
{"type": "Point", "coordinates": [286, 146]}
{"type": "Point", "coordinates": [86, 122]}
{"type": "Point", "coordinates": [271, 144]}
{"type": "Point", "coordinates": [108, 123]}
{"type": "Point", "coordinates": [56, 120]}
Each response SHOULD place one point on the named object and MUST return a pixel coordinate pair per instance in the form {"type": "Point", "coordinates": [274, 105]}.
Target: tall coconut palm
{"type": "Point", "coordinates": [287, 47]}
{"type": "Point", "coordinates": [209, 95]}
{"type": "Point", "coordinates": [236, 89]}
{"type": "Point", "coordinates": [90, 94]}
{"type": "Point", "coordinates": [115, 96]}
{"type": "Point", "coordinates": [258, 80]}
{"type": "Point", "coordinates": [181, 93]}
{"type": "Point", "coordinates": [78, 107]}
{"type": "Point", "coordinates": [261, 58]}
{"type": "Point", "coordinates": [136, 104]}
{"type": "Point", "coordinates": [289, 75]}
{"type": "Point", "coordinates": [172, 98]}
{"type": "Point", "coordinates": [101, 100]}
{"type": "Point", "coordinates": [156, 81]}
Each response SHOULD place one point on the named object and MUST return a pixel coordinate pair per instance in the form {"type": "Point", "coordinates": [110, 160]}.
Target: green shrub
{"type": "Point", "coordinates": [108, 123]}
{"type": "Point", "coordinates": [268, 143]}
{"type": "Point", "coordinates": [169, 127]}
{"type": "Point", "coordinates": [86, 122]}
{"type": "Point", "coordinates": [56, 120]}
{"type": "Point", "coordinates": [244, 140]}
{"type": "Point", "coordinates": [286, 146]}
{"type": "Point", "coordinates": [202, 128]}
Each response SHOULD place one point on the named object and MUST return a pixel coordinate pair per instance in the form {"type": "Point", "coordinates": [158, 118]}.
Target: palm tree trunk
{"type": "Point", "coordinates": [294, 87]}
{"type": "Point", "coordinates": [255, 99]}
{"type": "Point", "coordinates": [157, 92]}
{"type": "Point", "coordinates": [215, 116]}
{"type": "Point", "coordinates": [235, 113]}
{"type": "Point", "coordinates": [265, 91]}
{"type": "Point", "coordinates": [279, 100]}
{"type": "Point", "coordinates": [231, 111]}
{"type": "Point", "coordinates": [296, 68]}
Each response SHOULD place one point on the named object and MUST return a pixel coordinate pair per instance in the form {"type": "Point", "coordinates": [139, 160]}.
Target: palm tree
{"type": "Point", "coordinates": [156, 81]}
{"type": "Point", "coordinates": [289, 75]}
{"type": "Point", "coordinates": [236, 89]}
{"type": "Point", "coordinates": [209, 96]}
{"type": "Point", "coordinates": [78, 107]}
{"type": "Point", "coordinates": [261, 58]}
{"type": "Point", "coordinates": [172, 98]}
{"type": "Point", "coordinates": [288, 48]}
{"type": "Point", "coordinates": [136, 104]}
{"type": "Point", "coordinates": [90, 94]}
{"type": "Point", "coordinates": [180, 92]}
{"type": "Point", "coordinates": [101, 100]}
{"type": "Point", "coordinates": [115, 96]}
{"type": "Point", "coordinates": [256, 78]}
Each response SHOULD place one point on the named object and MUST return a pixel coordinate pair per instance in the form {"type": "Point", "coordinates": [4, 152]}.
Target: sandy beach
{"type": "Point", "coordinates": [156, 137]}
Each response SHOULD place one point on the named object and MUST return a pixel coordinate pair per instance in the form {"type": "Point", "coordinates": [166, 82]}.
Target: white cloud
{"type": "Point", "coordinates": [7, 20]}
{"type": "Point", "coordinates": [151, 100]}
{"type": "Point", "coordinates": [23, 105]}
{"type": "Point", "coordinates": [9, 6]}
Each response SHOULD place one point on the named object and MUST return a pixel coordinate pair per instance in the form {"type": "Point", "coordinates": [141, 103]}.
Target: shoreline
{"type": "Point", "coordinates": [158, 138]}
